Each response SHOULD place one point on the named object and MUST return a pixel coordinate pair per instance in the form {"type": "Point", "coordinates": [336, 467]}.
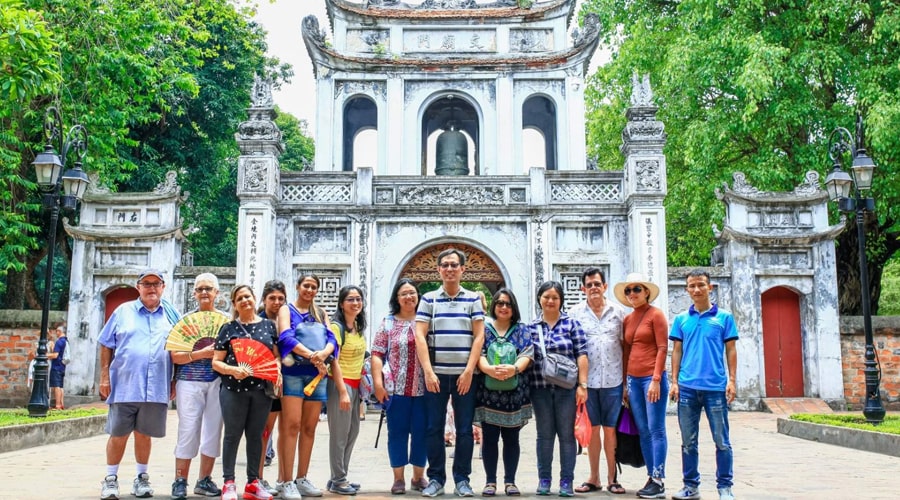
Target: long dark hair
{"type": "Point", "coordinates": [269, 287]}
{"type": "Point", "coordinates": [514, 304]}
{"type": "Point", "coordinates": [395, 302]}
{"type": "Point", "coordinates": [314, 310]}
{"type": "Point", "coordinates": [360, 318]}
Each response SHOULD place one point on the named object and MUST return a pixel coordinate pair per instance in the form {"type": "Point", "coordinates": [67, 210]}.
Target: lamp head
{"type": "Point", "coordinates": [863, 170]}
{"type": "Point", "coordinates": [838, 183]}
{"type": "Point", "coordinates": [47, 167]}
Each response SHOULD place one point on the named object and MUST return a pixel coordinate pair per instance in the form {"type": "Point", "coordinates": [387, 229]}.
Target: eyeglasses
{"type": "Point", "coordinates": [353, 299]}
{"type": "Point", "coordinates": [503, 303]}
{"type": "Point", "coordinates": [635, 289]}
{"type": "Point", "coordinates": [158, 284]}
{"type": "Point", "coordinates": [204, 289]}
{"type": "Point", "coordinates": [449, 265]}
{"type": "Point", "coordinates": [594, 284]}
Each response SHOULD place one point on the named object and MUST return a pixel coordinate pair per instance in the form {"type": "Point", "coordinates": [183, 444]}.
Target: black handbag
{"type": "Point", "coordinates": [558, 369]}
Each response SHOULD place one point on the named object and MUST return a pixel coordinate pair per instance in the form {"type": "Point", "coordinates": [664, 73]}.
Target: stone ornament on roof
{"type": "Point", "coordinates": [588, 32]}
{"type": "Point", "coordinates": [810, 184]}
{"type": "Point", "coordinates": [310, 28]}
{"type": "Point", "coordinates": [448, 4]}
{"type": "Point", "coordinates": [96, 187]}
{"type": "Point", "coordinates": [641, 93]}
{"type": "Point", "coordinates": [740, 184]}
{"type": "Point", "coordinates": [168, 186]}
{"type": "Point", "coordinates": [261, 95]}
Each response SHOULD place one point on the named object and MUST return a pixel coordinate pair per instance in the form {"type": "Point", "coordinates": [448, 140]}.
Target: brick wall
{"type": "Point", "coordinates": [19, 335]}
{"type": "Point", "coordinates": [886, 336]}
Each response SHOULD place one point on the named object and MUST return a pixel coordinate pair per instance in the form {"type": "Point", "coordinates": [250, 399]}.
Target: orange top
{"type": "Point", "coordinates": [646, 342]}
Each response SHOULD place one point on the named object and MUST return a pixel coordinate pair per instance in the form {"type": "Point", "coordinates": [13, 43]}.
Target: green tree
{"type": "Point", "coordinates": [756, 87]}
{"type": "Point", "coordinates": [299, 148]}
{"type": "Point", "coordinates": [159, 86]}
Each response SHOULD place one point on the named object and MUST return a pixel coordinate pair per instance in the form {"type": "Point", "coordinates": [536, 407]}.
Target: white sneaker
{"type": "Point", "coordinates": [306, 488]}
{"type": "Point", "coordinates": [109, 488]}
{"type": "Point", "coordinates": [141, 488]}
{"type": "Point", "coordinates": [271, 489]}
{"type": "Point", "coordinates": [289, 491]}
{"type": "Point", "coordinates": [229, 491]}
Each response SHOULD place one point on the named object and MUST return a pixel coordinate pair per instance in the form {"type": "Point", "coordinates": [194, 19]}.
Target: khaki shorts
{"type": "Point", "coordinates": [147, 418]}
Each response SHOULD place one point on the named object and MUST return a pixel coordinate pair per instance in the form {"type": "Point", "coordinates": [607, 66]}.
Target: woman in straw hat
{"type": "Point", "coordinates": [645, 350]}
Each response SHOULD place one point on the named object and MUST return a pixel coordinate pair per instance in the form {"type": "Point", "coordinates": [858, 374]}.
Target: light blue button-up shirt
{"type": "Point", "coordinates": [141, 369]}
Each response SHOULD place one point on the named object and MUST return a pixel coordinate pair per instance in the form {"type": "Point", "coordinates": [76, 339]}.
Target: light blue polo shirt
{"type": "Point", "coordinates": [703, 338]}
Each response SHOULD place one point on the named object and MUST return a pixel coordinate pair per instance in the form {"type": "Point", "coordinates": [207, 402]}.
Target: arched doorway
{"type": "Point", "coordinates": [782, 343]}
{"type": "Point", "coordinates": [117, 297]}
{"type": "Point", "coordinates": [480, 267]}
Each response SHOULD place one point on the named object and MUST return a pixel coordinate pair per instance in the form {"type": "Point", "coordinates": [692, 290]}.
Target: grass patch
{"type": "Point", "coordinates": [891, 424]}
{"type": "Point", "coordinates": [19, 416]}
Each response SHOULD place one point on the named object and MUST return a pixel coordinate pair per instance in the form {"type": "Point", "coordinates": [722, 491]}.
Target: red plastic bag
{"type": "Point", "coordinates": [582, 427]}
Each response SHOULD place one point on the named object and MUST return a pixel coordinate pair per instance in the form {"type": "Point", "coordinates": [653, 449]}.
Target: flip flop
{"type": "Point", "coordinates": [616, 489]}
{"type": "Point", "coordinates": [587, 487]}
{"type": "Point", "coordinates": [512, 490]}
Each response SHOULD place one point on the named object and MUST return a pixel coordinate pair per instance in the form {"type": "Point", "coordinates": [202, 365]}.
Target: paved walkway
{"type": "Point", "coordinates": [767, 466]}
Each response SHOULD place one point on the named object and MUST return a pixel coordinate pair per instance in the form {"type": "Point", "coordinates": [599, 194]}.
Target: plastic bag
{"type": "Point", "coordinates": [582, 426]}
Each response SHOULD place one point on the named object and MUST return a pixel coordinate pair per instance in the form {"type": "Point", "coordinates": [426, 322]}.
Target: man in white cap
{"type": "Point", "coordinates": [136, 379]}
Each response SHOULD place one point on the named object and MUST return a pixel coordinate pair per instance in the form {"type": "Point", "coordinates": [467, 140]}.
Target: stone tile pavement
{"type": "Point", "coordinates": [767, 466]}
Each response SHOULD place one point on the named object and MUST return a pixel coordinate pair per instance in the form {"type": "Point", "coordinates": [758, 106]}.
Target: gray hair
{"type": "Point", "coordinates": [208, 277]}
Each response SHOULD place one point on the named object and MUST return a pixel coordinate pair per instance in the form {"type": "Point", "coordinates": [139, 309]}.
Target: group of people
{"type": "Point", "coordinates": [497, 370]}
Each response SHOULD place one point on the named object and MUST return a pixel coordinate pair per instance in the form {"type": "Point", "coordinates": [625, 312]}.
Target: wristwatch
{"type": "Point", "coordinates": [583, 384]}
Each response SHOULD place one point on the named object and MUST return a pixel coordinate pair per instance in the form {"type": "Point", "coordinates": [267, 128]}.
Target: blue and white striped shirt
{"type": "Point", "coordinates": [450, 330]}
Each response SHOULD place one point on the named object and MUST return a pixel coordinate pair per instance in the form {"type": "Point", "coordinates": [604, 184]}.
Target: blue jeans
{"type": "Point", "coordinates": [650, 419]}
{"type": "Point", "coordinates": [690, 403]}
{"type": "Point", "coordinates": [406, 431]}
{"type": "Point", "coordinates": [463, 414]}
{"type": "Point", "coordinates": [554, 416]}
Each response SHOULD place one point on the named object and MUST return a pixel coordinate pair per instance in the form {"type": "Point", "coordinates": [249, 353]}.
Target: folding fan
{"type": "Point", "coordinates": [195, 331]}
{"type": "Point", "coordinates": [254, 355]}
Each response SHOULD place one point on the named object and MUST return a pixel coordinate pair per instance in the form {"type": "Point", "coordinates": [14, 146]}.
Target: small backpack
{"type": "Point", "coordinates": [501, 352]}
{"type": "Point", "coordinates": [66, 357]}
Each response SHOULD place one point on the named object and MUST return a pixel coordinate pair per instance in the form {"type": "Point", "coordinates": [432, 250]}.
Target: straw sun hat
{"type": "Point", "coordinates": [635, 279]}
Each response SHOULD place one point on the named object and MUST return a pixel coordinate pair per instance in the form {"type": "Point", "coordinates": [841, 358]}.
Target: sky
{"type": "Point", "coordinates": [281, 20]}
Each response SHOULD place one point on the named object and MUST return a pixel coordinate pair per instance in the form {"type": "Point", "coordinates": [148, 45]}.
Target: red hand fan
{"type": "Point", "coordinates": [195, 331]}
{"type": "Point", "coordinates": [254, 355]}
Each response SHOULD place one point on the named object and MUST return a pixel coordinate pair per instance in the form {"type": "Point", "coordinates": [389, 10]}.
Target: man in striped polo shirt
{"type": "Point", "coordinates": [449, 337]}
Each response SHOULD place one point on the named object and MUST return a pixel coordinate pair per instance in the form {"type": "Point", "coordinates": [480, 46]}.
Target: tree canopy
{"type": "Point", "coordinates": [757, 87]}
{"type": "Point", "coordinates": [158, 85]}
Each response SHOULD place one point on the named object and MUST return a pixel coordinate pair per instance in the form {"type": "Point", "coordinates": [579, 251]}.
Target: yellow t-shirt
{"type": "Point", "coordinates": [352, 354]}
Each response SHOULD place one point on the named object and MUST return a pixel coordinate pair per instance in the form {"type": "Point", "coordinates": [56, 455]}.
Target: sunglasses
{"type": "Point", "coordinates": [449, 265]}
{"type": "Point", "coordinates": [594, 284]}
{"type": "Point", "coordinates": [503, 303]}
{"type": "Point", "coordinates": [635, 289]}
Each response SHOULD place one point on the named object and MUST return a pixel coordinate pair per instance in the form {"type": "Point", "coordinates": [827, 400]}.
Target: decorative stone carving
{"type": "Point", "coordinates": [453, 195]}
{"type": "Point", "coordinates": [259, 127]}
{"type": "Point", "coordinates": [810, 184]}
{"type": "Point", "coordinates": [96, 187]}
{"type": "Point", "coordinates": [370, 88]}
{"type": "Point", "coordinates": [647, 175]}
{"type": "Point", "coordinates": [311, 31]}
{"type": "Point", "coordinates": [168, 186]}
{"type": "Point", "coordinates": [479, 266]}
{"type": "Point", "coordinates": [740, 184]}
{"type": "Point", "coordinates": [591, 162]}
{"type": "Point", "coordinates": [650, 244]}
{"type": "Point", "coordinates": [568, 192]}
{"type": "Point", "coordinates": [588, 32]}
{"type": "Point", "coordinates": [261, 96]}
{"type": "Point", "coordinates": [256, 175]}
{"type": "Point", "coordinates": [529, 40]}
{"type": "Point", "coordinates": [641, 92]}
{"type": "Point", "coordinates": [448, 4]}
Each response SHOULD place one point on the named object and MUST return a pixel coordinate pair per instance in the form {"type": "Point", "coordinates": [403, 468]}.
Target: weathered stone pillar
{"type": "Point", "coordinates": [258, 183]}
{"type": "Point", "coordinates": [645, 187]}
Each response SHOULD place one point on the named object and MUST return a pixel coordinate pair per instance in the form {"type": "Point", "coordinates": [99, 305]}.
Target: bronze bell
{"type": "Point", "coordinates": [452, 153]}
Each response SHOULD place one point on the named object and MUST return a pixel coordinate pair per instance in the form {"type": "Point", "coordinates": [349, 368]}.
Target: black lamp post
{"type": "Point", "coordinates": [851, 196]}
{"type": "Point", "coordinates": [59, 190]}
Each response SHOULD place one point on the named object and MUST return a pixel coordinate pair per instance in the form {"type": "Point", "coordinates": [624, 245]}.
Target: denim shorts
{"type": "Point", "coordinates": [56, 378]}
{"type": "Point", "coordinates": [293, 385]}
{"type": "Point", "coordinates": [604, 405]}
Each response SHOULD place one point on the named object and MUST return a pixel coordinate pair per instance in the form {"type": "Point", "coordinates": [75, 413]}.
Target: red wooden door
{"type": "Point", "coordinates": [783, 347]}
{"type": "Point", "coordinates": [118, 297]}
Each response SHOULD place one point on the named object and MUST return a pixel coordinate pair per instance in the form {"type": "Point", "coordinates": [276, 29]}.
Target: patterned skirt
{"type": "Point", "coordinates": [503, 408]}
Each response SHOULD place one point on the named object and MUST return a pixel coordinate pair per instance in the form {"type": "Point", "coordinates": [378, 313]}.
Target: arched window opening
{"type": "Point", "coordinates": [450, 134]}
{"type": "Point", "coordinates": [533, 147]}
{"type": "Point", "coordinates": [360, 114]}
{"type": "Point", "coordinates": [365, 149]}
{"type": "Point", "coordinates": [539, 113]}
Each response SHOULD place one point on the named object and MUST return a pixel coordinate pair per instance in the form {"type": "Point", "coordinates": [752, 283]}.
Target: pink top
{"type": "Point", "coordinates": [396, 340]}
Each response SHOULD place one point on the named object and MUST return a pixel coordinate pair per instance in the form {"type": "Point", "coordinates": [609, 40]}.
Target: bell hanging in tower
{"type": "Point", "coordinates": [452, 153]}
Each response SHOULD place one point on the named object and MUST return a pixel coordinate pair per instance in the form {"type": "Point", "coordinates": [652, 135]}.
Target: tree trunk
{"type": "Point", "coordinates": [848, 277]}
{"type": "Point", "coordinates": [15, 286]}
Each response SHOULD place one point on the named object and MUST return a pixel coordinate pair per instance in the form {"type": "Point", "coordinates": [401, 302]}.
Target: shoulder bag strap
{"type": "Point", "coordinates": [541, 337]}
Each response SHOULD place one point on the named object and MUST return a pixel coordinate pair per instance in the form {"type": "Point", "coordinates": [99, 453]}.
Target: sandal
{"type": "Point", "coordinates": [616, 488]}
{"type": "Point", "coordinates": [512, 490]}
{"type": "Point", "coordinates": [587, 487]}
{"type": "Point", "coordinates": [490, 489]}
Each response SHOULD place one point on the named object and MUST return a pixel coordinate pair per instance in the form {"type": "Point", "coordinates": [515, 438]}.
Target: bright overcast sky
{"type": "Point", "coordinates": [281, 20]}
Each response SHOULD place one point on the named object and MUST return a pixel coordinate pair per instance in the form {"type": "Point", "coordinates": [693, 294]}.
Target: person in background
{"type": "Point", "coordinates": [348, 325]}
{"type": "Point", "coordinates": [645, 350]}
{"type": "Point", "coordinates": [136, 380]}
{"type": "Point", "coordinates": [299, 412]}
{"type": "Point", "coordinates": [704, 339]}
{"type": "Point", "coordinates": [503, 413]}
{"type": "Point", "coordinates": [602, 324]}
{"type": "Point", "coordinates": [554, 406]}
{"type": "Point", "coordinates": [197, 404]}
{"type": "Point", "coordinates": [453, 319]}
{"type": "Point", "coordinates": [58, 368]}
{"type": "Point", "coordinates": [245, 405]}
{"type": "Point", "coordinates": [274, 295]}
{"type": "Point", "coordinates": [400, 386]}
